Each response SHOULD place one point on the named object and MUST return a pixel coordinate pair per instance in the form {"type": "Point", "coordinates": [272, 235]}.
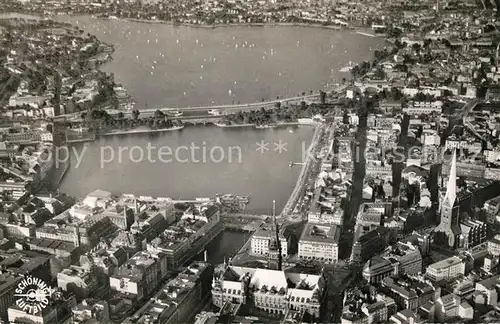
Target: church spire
{"type": "Point", "coordinates": [451, 189]}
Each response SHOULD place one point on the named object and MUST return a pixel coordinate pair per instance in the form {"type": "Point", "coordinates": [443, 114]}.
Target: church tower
{"type": "Point", "coordinates": [449, 225]}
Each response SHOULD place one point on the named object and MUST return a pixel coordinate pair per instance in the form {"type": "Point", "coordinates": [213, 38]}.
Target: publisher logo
{"type": "Point", "coordinates": [32, 295]}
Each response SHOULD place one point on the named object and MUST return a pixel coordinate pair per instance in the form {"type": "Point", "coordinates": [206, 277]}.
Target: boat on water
{"type": "Point", "coordinates": [232, 202]}
{"type": "Point", "coordinates": [347, 68]}
{"type": "Point", "coordinates": [226, 125]}
{"type": "Point", "coordinates": [266, 126]}
{"type": "Point", "coordinates": [174, 113]}
{"type": "Point", "coordinates": [214, 112]}
{"type": "Point", "coordinates": [127, 105]}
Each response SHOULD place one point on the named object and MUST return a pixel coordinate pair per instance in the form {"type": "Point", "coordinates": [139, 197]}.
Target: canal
{"type": "Point", "coordinates": [225, 246]}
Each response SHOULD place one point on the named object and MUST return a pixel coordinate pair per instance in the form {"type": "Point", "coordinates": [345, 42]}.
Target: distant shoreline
{"type": "Point", "coordinates": [213, 26]}
{"type": "Point", "coordinates": [363, 31]}
{"type": "Point", "coordinates": [359, 30]}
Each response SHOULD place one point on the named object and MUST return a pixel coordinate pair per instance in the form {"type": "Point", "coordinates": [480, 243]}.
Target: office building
{"type": "Point", "coordinates": [450, 307]}
{"type": "Point", "coordinates": [447, 269]}
{"type": "Point", "coordinates": [486, 292]}
{"type": "Point", "coordinates": [140, 276]}
{"type": "Point", "coordinates": [48, 315]}
{"type": "Point", "coordinates": [263, 239]}
{"type": "Point", "coordinates": [494, 245]}
{"type": "Point", "coordinates": [15, 266]}
{"type": "Point", "coordinates": [370, 244]}
{"type": "Point", "coordinates": [473, 232]}
{"type": "Point", "coordinates": [319, 242]}
{"type": "Point", "coordinates": [181, 298]}
{"type": "Point", "coordinates": [399, 259]}
{"type": "Point", "coordinates": [107, 260]}
{"type": "Point", "coordinates": [189, 236]}
{"type": "Point", "coordinates": [79, 281]}
{"type": "Point", "coordinates": [410, 293]}
{"type": "Point", "coordinates": [376, 269]}
{"type": "Point", "coordinates": [406, 316]}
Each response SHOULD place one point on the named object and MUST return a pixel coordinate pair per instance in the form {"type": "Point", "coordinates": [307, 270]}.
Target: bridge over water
{"type": "Point", "coordinates": [227, 108]}
{"type": "Point", "coordinates": [237, 107]}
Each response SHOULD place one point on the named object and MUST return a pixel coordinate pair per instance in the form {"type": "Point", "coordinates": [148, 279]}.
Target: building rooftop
{"type": "Point", "coordinates": [135, 267]}
{"type": "Point", "coordinates": [376, 264]}
{"type": "Point", "coordinates": [181, 232]}
{"type": "Point", "coordinates": [48, 243]}
{"type": "Point", "coordinates": [297, 286]}
{"type": "Point", "coordinates": [175, 291]}
{"type": "Point", "coordinates": [320, 233]}
{"type": "Point", "coordinates": [99, 194]}
{"type": "Point", "coordinates": [490, 283]}
{"type": "Point", "coordinates": [443, 264]}
{"type": "Point", "coordinates": [266, 234]}
{"type": "Point", "coordinates": [408, 287]}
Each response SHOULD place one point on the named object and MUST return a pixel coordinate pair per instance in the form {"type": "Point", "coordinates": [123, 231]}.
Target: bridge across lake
{"type": "Point", "coordinates": [232, 108]}
{"type": "Point", "coordinates": [223, 109]}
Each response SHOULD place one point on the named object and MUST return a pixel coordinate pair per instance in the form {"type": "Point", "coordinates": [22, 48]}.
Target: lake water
{"type": "Point", "coordinates": [163, 65]}
{"type": "Point", "coordinates": [179, 66]}
{"type": "Point", "coordinates": [231, 164]}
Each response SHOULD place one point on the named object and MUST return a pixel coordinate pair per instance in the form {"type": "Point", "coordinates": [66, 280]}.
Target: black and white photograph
{"type": "Point", "coordinates": [249, 161]}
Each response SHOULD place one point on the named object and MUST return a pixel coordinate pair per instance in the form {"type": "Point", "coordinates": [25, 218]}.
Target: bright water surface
{"type": "Point", "coordinates": [164, 65]}
{"type": "Point", "coordinates": [183, 66]}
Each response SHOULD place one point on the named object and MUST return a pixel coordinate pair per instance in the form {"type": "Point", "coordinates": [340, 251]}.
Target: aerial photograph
{"type": "Point", "coordinates": [249, 161]}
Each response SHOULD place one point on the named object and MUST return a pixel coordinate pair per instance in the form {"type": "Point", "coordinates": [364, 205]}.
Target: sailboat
{"type": "Point", "coordinates": [347, 68]}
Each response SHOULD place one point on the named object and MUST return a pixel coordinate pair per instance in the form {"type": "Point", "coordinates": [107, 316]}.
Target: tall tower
{"type": "Point", "coordinates": [449, 224]}
{"type": "Point", "coordinates": [278, 242]}
{"type": "Point", "coordinates": [496, 54]}
{"type": "Point", "coordinates": [274, 243]}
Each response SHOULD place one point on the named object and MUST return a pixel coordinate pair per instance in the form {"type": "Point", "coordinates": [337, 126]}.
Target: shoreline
{"type": "Point", "coordinates": [363, 31]}
{"type": "Point", "coordinates": [141, 131]}
{"type": "Point", "coordinates": [366, 34]}
{"type": "Point", "coordinates": [301, 179]}
{"type": "Point", "coordinates": [357, 30]}
{"type": "Point", "coordinates": [271, 126]}
{"type": "Point", "coordinates": [232, 25]}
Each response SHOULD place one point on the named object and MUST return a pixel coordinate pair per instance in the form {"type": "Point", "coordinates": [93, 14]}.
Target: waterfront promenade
{"type": "Point", "coordinates": [304, 173]}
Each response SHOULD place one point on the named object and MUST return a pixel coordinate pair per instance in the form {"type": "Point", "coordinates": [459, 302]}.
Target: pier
{"type": "Point", "coordinates": [248, 216]}
{"type": "Point", "coordinates": [291, 164]}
